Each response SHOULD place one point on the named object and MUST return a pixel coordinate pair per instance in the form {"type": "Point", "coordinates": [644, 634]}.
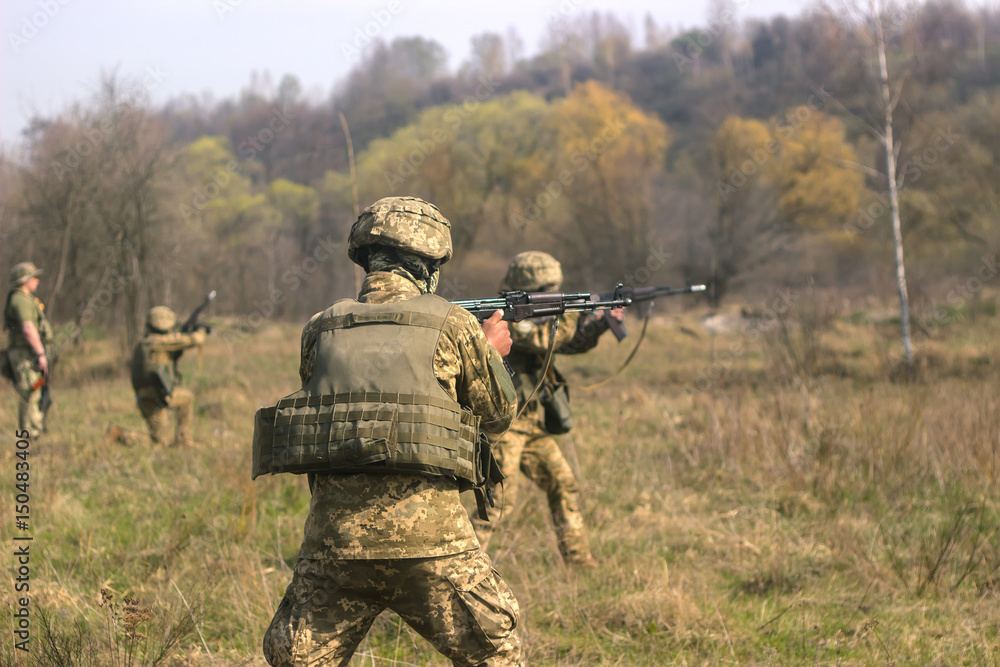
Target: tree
{"type": "Point", "coordinates": [875, 21]}
{"type": "Point", "coordinates": [607, 155]}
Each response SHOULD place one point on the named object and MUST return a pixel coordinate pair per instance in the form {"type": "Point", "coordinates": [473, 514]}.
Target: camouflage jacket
{"type": "Point", "coordinates": [154, 351]}
{"type": "Point", "coordinates": [576, 333]}
{"type": "Point", "coordinates": [365, 516]}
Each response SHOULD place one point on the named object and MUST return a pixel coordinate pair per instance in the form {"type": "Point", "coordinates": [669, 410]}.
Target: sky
{"type": "Point", "coordinates": [55, 51]}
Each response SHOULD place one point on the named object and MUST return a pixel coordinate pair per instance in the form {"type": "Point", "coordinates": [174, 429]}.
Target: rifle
{"type": "Point", "coordinates": [639, 295]}
{"type": "Point", "coordinates": [190, 325]}
{"type": "Point", "coordinates": [519, 305]}
{"type": "Point", "coordinates": [45, 400]}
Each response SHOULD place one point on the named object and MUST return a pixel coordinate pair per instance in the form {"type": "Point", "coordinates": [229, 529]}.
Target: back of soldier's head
{"type": "Point", "coordinates": [533, 271]}
{"type": "Point", "coordinates": [409, 224]}
{"type": "Point", "coordinates": [160, 319]}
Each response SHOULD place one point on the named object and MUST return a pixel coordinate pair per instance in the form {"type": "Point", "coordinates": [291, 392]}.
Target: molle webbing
{"type": "Point", "coordinates": [357, 319]}
{"type": "Point", "coordinates": [369, 432]}
{"type": "Point", "coordinates": [352, 416]}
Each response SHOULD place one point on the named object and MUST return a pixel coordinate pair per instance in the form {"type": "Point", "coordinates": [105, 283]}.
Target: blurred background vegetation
{"type": "Point", "coordinates": [743, 155]}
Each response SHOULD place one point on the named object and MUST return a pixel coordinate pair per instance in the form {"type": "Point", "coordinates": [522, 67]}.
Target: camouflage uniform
{"type": "Point", "coordinates": [528, 446]}
{"type": "Point", "coordinates": [401, 541]}
{"type": "Point", "coordinates": [154, 380]}
{"type": "Point", "coordinates": [21, 308]}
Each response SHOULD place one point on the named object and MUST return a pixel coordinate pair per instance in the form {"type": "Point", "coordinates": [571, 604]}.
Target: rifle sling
{"type": "Point", "coordinates": [628, 360]}
{"type": "Point", "coordinates": [545, 367]}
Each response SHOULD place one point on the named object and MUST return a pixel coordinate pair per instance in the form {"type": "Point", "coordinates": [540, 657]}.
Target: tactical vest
{"type": "Point", "coordinates": [372, 404]}
{"type": "Point", "coordinates": [147, 373]}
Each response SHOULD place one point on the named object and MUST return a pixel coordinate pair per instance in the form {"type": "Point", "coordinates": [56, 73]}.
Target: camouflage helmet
{"type": "Point", "coordinates": [161, 318]}
{"type": "Point", "coordinates": [532, 270]}
{"type": "Point", "coordinates": [406, 223]}
{"type": "Point", "coordinates": [23, 272]}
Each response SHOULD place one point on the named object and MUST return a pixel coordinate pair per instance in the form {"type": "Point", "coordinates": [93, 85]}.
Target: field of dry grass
{"type": "Point", "coordinates": [770, 494]}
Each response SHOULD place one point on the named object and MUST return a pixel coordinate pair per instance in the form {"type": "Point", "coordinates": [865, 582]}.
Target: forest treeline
{"type": "Point", "coordinates": [742, 154]}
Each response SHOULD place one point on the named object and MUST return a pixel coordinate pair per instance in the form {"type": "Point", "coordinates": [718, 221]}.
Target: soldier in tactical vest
{"type": "Point", "coordinates": [28, 334]}
{"type": "Point", "coordinates": [528, 446]}
{"type": "Point", "coordinates": [397, 387]}
{"type": "Point", "coordinates": [155, 380]}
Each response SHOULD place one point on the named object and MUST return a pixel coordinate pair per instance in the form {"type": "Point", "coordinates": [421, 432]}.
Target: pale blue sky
{"type": "Point", "coordinates": [55, 50]}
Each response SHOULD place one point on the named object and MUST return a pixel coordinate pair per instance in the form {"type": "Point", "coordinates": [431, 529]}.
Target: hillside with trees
{"type": "Point", "coordinates": [745, 155]}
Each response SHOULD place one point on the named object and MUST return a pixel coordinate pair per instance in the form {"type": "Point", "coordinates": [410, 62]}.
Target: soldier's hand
{"type": "Point", "coordinates": [616, 313]}
{"type": "Point", "coordinates": [204, 327]}
{"type": "Point", "coordinates": [497, 333]}
{"type": "Point", "coordinates": [43, 364]}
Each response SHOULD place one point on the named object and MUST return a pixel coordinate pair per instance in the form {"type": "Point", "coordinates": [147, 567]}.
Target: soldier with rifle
{"type": "Point", "coordinates": [543, 397]}
{"type": "Point", "coordinates": [26, 363]}
{"type": "Point", "coordinates": [155, 377]}
{"type": "Point", "coordinates": [547, 322]}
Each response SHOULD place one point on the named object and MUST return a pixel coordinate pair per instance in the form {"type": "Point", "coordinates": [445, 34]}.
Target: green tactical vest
{"type": "Point", "coordinates": [373, 403]}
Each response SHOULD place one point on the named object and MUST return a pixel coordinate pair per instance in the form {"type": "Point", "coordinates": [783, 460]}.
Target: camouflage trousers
{"type": "Point", "coordinates": [26, 374]}
{"type": "Point", "coordinates": [458, 603]}
{"type": "Point", "coordinates": [157, 416]}
{"type": "Point", "coordinates": [534, 452]}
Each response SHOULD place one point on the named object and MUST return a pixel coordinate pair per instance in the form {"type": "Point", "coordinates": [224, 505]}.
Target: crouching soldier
{"type": "Point", "coordinates": [155, 380]}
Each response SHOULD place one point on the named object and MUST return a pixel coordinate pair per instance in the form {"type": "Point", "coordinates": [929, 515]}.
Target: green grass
{"type": "Point", "coordinates": [785, 503]}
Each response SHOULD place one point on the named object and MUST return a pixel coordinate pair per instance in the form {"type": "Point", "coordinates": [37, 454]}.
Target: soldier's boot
{"type": "Point", "coordinates": [115, 435]}
{"type": "Point", "coordinates": [574, 546]}
{"type": "Point", "coordinates": [119, 435]}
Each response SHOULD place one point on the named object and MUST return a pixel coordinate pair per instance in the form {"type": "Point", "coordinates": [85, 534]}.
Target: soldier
{"type": "Point", "coordinates": [395, 386]}
{"type": "Point", "coordinates": [529, 445]}
{"type": "Point", "coordinates": [28, 334]}
{"type": "Point", "coordinates": [155, 382]}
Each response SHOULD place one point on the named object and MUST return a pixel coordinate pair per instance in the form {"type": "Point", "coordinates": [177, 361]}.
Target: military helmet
{"type": "Point", "coordinates": [406, 223]}
{"type": "Point", "coordinates": [532, 270]}
{"type": "Point", "coordinates": [23, 272]}
{"type": "Point", "coordinates": [161, 318]}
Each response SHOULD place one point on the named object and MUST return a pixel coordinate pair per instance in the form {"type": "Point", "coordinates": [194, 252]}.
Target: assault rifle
{"type": "Point", "coordinates": [639, 295]}
{"type": "Point", "coordinates": [190, 325]}
{"type": "Point", "coordinates": [519, 305]}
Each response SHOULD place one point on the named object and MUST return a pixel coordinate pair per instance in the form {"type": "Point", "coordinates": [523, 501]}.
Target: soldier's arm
{"type": "Point", "coordinates": [589, 328]}
{"type": "Point", "coordinates": [307, 354]}
{"type": "Point", "coordinates": [532, 336]}
{"type": "Point", "coordinates": [472, 371]}
{"type": "Point", "coordinates": [34, 339]}
{"type": "Point", "coordinates": [175, 342]}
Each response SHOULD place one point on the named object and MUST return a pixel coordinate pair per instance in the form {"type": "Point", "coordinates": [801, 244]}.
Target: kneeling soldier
{"type": "Point", "coordinates": [154, 379]}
